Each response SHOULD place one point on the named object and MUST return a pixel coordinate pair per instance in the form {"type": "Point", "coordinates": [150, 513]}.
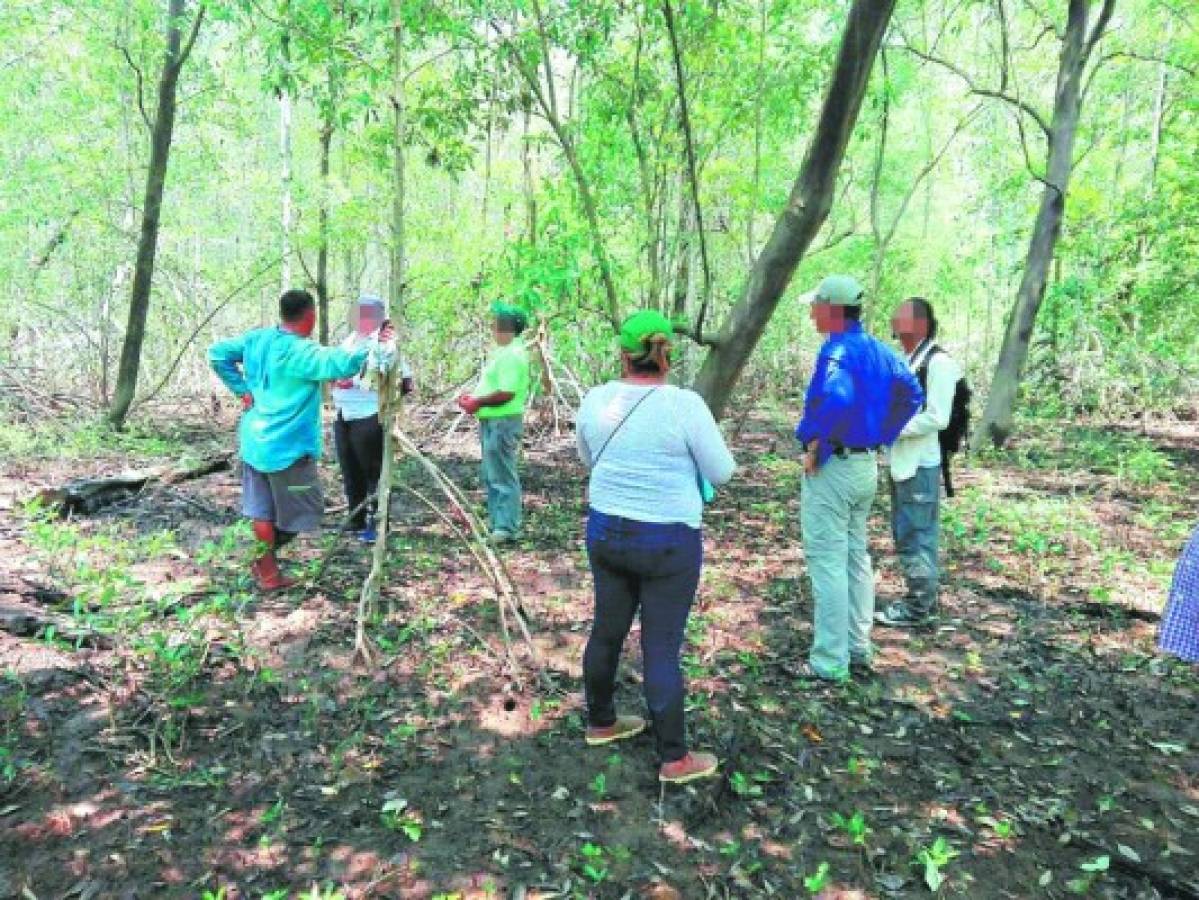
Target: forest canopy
{"type": "Point", "coordinates": [548, 161]}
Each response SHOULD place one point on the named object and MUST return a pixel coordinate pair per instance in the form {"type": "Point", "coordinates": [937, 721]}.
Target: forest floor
{"type": "Point", "coordinates": [171, 734]}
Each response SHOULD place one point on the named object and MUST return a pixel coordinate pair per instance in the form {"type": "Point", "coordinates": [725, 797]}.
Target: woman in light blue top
{"type": "Point", "coordinates": [650, 446]}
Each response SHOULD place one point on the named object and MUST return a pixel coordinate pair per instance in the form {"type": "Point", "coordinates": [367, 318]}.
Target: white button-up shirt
{"type": "Point", "coordinates": [918, 446]}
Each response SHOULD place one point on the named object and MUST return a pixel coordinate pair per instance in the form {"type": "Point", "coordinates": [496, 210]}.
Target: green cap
{"type": "Point", "coordinates": [637, 329]}
{"type": "Point", "coordinates": [839, 290]}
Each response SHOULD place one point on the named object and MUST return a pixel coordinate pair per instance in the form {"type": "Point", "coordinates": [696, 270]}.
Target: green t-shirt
{"type": "Point", "coordinates": [507, 370]}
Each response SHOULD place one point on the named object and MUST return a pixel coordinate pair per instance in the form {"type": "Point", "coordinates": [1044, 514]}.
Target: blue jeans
{"type": "Point", "coordinates": [915, 526]}
{"type": "Point", "coordinates": [501, 478]}
{"type": "Point", "coordinates": [654, 568]}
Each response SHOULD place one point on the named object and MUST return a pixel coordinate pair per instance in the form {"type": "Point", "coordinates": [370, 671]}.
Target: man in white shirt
{"type": "Point", "coordinates": [915, 466]}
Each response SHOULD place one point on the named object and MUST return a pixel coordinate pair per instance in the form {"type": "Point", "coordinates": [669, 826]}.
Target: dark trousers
{"type": "Point", "coordinates": [360, 455]}
{"type": "Point", "coordinates": [654, 568]}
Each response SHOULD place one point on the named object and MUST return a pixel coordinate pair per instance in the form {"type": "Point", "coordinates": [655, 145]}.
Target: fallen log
{"type": "Point", "coordinates": [86, 496]}
{"type": "Point", "coordinates": [1167, 884]}
{"type": "Point", "coordinates": [23, 613]}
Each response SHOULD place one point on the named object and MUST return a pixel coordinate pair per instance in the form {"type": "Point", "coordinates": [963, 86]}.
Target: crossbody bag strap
{"type": "Point", "coordinates": [595, 461]}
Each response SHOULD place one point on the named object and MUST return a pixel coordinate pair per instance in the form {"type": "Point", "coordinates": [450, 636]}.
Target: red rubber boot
{"type": "Point", "coordinates": [265, 569]}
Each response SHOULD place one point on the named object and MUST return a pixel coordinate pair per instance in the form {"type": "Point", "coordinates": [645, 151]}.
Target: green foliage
{"type": "Point", "coordinates": [818, 880]}
{"type": "Point", "coordinates": [854, 826]}
{"type": "Point", "coordinates": [593, 862]}
{"type": "Point", "coordinates": [396, 816]}
{"type": "Point", "coordinates": [933, 859]}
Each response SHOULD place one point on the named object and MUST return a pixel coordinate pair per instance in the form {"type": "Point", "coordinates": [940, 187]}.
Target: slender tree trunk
{"type": "Point", "coordinates": [996, 422]}
{"type": "Point", "coordinates": [160, 151]}
{"type": "Point", "coordinates": [807, 208]}
{"type": "Point", "coordinates": [653, 247]}
{"type": "Point", "coordinates": [547, 100]}
{"type": "Point", "coordinates": [1159, 117]}
{"type": "Point", "coordinates": [876, 229]}
{"type": "Point", "coordinates": [285, 153]}
{"type": "Point", "coordinates": [528, 182]}
{"type": "Point", "coordinates": [285, 176]}
{"type": "Point", "coordinates": [322, 253]}
{"type": "Point", "coordinates": [692, 173]}
{"type": "Point", "coordinates": [389, 398]}
{"type": "Point", "coordinates": [751, 238]}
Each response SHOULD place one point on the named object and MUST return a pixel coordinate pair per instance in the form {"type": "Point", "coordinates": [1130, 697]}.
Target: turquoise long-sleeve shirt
{"type": "Point", "coordinates": [283, 373]}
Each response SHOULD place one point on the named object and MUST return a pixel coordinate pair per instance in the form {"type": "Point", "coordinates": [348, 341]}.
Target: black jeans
{"type": "Point", "coordinates": [654, 568]}
{"type": "Point", "coordinates": [360, 455]}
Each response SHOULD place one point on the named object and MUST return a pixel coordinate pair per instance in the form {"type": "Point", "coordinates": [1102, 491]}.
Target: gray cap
{"type": "Point", "coordinates": [839, 290]}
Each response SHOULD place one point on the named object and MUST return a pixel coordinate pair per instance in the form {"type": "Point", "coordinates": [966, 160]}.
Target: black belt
{"type": "Point", "coordinates": [843, 451]}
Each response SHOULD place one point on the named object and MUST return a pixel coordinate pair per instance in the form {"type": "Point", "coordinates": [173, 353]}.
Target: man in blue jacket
{"type": "Point", "coordinates": [277, 373]}
{"type": "Point", "coordinates": [860, 397]}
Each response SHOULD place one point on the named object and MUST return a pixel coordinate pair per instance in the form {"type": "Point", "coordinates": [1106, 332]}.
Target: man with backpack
{"type": "Point", "coordinates": [918, 459]}
{"type": "Point", "coordinates": [860, 397]}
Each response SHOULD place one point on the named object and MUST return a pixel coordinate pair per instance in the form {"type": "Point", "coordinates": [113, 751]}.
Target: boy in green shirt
{"type": "Point", "coordinates": [499, 403]}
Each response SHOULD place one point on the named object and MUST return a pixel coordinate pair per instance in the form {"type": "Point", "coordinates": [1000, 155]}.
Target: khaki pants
{"type": "Point", "coordinates": [834, 507]}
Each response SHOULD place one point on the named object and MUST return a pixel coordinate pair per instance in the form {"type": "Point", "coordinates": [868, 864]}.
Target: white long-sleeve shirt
{"type": "Point", "coordinates": [354, 397]}
{"type": "Point", "coordinates": [918, 446]}
{"type": "Point", "coordinates": [648, 471]}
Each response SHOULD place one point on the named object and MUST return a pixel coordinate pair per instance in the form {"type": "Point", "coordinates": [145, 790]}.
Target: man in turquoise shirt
{"type": "Point", "coordinates": [277, 373]}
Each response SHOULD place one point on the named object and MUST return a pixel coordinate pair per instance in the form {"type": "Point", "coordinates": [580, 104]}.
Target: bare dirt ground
{"type": "Point", "coordinates": [164, 732]}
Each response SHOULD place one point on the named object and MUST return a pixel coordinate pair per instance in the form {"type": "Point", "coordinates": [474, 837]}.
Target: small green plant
{"type": "Point", "coordinates": [934, 859]}
{"type": "Point", "coordinates": [818, 880]}
{"type": "Point", "coordinates": [8, 765]}
{"type": "Point", "coordinates": [861, 766]}
{"type": "Point", "coordinates": [273, 815]}
{"type": "Point", "coordinates": [1093, 871]}
{"type": "Point", "coordinates": [593, 862]}
{"type": "Point", "coordinates": [744, 786]}
{"type": "Point", "coordinates": [599, 786]}
{"type": "Point", "coordinates": [855, 826]}
{"type": "Point", "coordinates": [396, 816]}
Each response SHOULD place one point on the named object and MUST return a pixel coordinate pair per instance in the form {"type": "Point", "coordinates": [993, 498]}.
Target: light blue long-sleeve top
{"type": "Point", "coordinates": [283, 373]}
{"type": "Point", "coordinates": [647, 471]}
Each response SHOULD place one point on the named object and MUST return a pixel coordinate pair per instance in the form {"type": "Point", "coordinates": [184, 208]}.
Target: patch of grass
{"type": "Point", "coordinates": [1130, 458]}
{"type": "Point", "coordinates": [85, 439]}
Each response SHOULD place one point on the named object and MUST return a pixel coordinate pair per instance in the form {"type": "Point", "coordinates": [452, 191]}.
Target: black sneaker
{"type": "Point", "coordinates": [902, 615]}
{"type": "Point", "coordinates": [862, 668]}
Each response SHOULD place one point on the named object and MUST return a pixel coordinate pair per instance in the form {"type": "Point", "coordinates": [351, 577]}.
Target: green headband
{"type": "Point", "coordinates": [514, 314]}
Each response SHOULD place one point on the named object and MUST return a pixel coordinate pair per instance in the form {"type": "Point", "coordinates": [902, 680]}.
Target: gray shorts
{"type": "Point", "coordinates": [290, 499]}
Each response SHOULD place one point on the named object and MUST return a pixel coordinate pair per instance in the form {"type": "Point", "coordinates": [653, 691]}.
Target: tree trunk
{"type": "Point", "coordinates": [755, 192]}
{"type": "Point", "coordinates": [547, 101]}
{"type": "Point", "coordinates": [147, 245]}
{"type": "Point", "coordinates": [996, 422]}
{"type": "Point", "coordinates": [322, 253]}
{"type": "Point", "coordinates": [285, 154]}
{"type": "Point", "coordinates": [285, 186]}
{"type": "Point", "coordinates": [528, 182]}
{"type": "Point", "coordinates": [807, 208]}
{"type": "Point", "coordinates": [692, 173]}
{"type": "Point", "coordinates": [389, 397]}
